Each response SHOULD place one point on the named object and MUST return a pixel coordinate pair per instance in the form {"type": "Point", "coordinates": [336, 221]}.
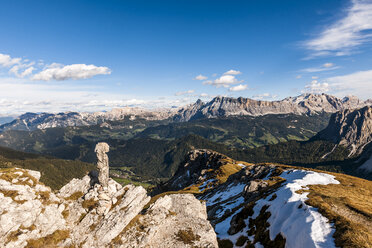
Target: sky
{"type": "Point", "coordinates": [97, 55]}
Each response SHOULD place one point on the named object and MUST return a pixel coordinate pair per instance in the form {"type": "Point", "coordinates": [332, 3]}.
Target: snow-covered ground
{"type": "Point", "coordinates": [301, 225]}
{"type": "Point", "coordinates": [221, 196]}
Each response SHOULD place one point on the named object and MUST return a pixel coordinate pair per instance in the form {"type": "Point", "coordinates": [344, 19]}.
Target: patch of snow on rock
{"type": "Point", "coordinates": [300, 224]}
{"type": "Point", "coordinates": [226, 194]}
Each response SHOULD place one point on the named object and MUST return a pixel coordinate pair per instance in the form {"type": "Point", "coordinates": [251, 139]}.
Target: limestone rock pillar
{"type": "Point", "coordinates": [103, 163]}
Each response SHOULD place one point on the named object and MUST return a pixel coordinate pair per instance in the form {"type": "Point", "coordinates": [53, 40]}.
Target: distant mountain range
{"type": "Point", "coordinates": [304, 104]}
{"type": "Point", "coordinates": [308, 104]}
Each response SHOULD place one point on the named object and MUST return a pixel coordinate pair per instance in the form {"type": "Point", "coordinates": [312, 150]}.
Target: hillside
{"type": "Point", "coordinates": [273, 205]}
{"type": "Point", "coordinates": [54, 172]}
{"type": "Point", "coordinates": [240, 132]}
{"type": "Point", "coordinates": [244, 131]}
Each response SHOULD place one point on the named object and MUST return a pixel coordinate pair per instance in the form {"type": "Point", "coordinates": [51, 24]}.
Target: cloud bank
{"type": "Point", "coordinates": [74, 71]}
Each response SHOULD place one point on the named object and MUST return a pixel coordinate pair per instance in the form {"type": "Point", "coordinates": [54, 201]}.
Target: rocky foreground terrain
{"type": "Point", "coordinates": [34, 216]}
{"type": "Point", "coordinates": [212, 201]}
{"type": "Point", "coordinates": [273, 205]}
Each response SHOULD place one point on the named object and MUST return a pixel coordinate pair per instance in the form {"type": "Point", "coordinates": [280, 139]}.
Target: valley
{"type": "Point", "coordinates": [258, 176]}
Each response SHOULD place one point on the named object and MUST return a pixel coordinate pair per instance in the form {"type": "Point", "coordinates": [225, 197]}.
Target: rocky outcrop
{"type": "Point", "coordinates": [103, 163]}
{"type": "Point", "coordinates": [349, 128]}
{"type": "Point", "coordinates": [32, 215]}
{"type": "Point", "coordinates": [303, 104]}
{"type": "Point", "coordinates": [176, 220]}
{"type": "Point", "coordinates": [193, 168]}
{"type": "Point", "coordinates": [95, 212]}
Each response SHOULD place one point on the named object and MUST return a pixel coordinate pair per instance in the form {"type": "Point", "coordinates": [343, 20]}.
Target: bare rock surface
{"type": "Point", "coordinates": [177, 220]}
{"type": "Point", "coordinates": [350, 128]}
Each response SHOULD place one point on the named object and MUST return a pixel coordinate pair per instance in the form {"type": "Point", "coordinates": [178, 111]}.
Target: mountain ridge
{"type": "Point", "coordinates": [219, 106]}
{"type": "Point", "coordinates": [304, 104]}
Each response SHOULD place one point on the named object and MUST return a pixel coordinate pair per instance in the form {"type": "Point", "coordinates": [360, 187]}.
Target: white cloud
{"type": "Point", "coordinates": [298, 76]}
{"type": "Point", "coordinates": [314, 77]}
{"type": "Point", "coordinates": [357, 83]}
{"type": "Point", "coordinates": [316, 87]}
{"type": "Point", "coordinates": [6, 60]}
{"type": "Point", "coordinates": [74, 71]}
{"type": "Point", "coordinates": [25, 68]}
{"type": "Point", "coordinates": [204, 95]}
{"type": "Point", "coordinates": [324, 67]}
{"type": "Point", "coordinates": [200, 77]}
{"type": "Point", "coordinates": [181, 93]}
{"type": "Point", "coordinates": [345, 34]}
{"type": "Point", "coordinates": [19, 95]}
{"type": "Point", "coordinates": [239, 87]}
{"type": "Point", "coordinates": [224, 81]}
{"type": "Point", "coordinates": [232, 72]}
{"type": "Point", "coordinates": [265, 96]}
{"type": "Point", "coordinates": [327, 65]}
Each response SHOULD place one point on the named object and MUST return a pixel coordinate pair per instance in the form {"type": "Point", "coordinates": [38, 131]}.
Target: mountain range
{"type": "Point", "coordinates": [307, 104]}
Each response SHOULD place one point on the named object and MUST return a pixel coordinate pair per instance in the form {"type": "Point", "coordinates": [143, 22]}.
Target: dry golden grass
{"type": "Point", "coordinates": [187, 236]}
{"type": "Point", "coordinates": [349, 206]}
{"type": "Point", "coordinates": [49, 241]}
{"type": "Point", "coordinates": [229, 168]}
{"type": "Point", "coordinates": [90, 204]}
{"type": "Point", "coordinates": [75, 196]}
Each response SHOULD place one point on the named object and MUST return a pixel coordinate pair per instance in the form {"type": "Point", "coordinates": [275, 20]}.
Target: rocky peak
{"type": "Point", "coordinates": [350, 128]}
{"type": "Point", "coordinates": [194, 167]}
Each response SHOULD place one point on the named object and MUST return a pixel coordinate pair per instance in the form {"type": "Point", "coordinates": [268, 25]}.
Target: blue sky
{"type": "Point", "coordinates": [96, 55]}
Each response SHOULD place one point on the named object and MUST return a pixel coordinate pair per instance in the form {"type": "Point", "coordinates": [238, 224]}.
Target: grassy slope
{"type": "Point", "coordinates": [348, 204]}
{"type": "Point", "coordinates": [245, 131]}
{"type": "Point", "coordinates": [54, 172]}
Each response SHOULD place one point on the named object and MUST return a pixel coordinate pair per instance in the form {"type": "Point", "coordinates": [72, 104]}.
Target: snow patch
{"type": "Point", "coordinates": [228, 193]}
{"type": "Point", "coordinates": [300, 224]}
{"type": "Point", "coordinates": [242, 165]}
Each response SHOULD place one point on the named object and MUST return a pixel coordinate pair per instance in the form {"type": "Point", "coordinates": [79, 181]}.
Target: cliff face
{"type": "Point", "coordinates": [303, 104]}
{"type": "Point", "coordinates": [31, 215]}
{"type": "Point", "coordinates": [350, 128]}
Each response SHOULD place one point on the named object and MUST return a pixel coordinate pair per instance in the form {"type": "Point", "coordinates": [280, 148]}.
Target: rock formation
{"type": "Point", "coordinates": [85, 213]}
{"type": "Point", "coordinates": [350, 128]}
{"type": "Point", "coordinates": [102, 163]}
